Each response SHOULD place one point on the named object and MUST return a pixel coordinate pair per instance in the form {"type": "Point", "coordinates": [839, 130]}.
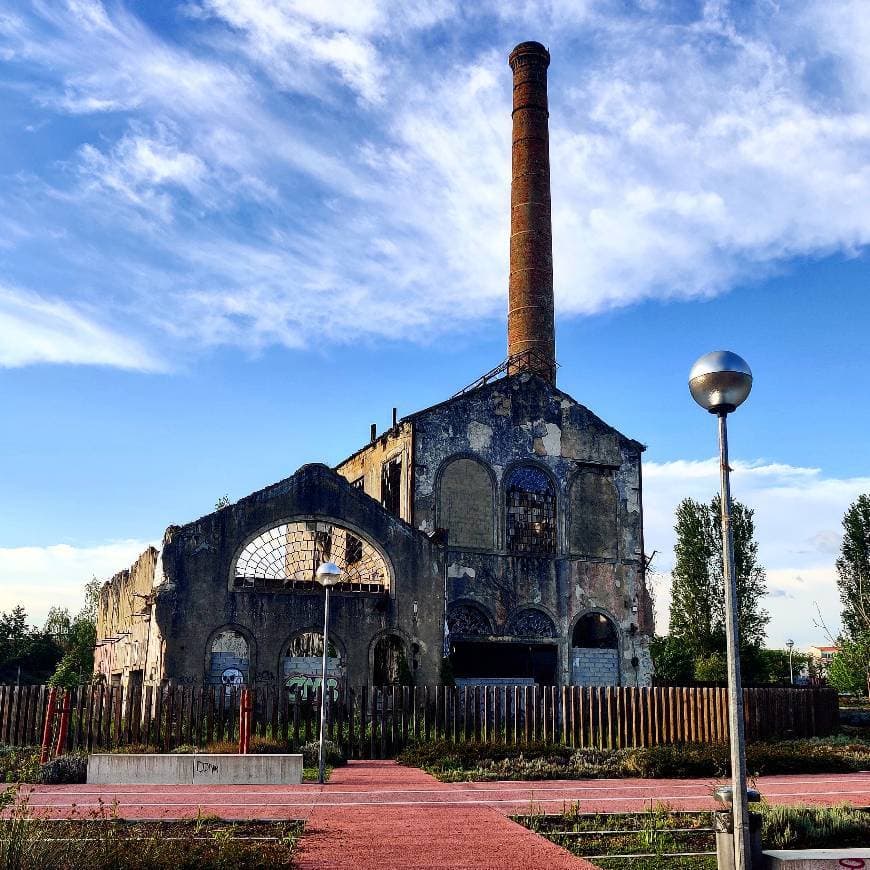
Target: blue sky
{"type": "Point", "coordinates": [233, 234]}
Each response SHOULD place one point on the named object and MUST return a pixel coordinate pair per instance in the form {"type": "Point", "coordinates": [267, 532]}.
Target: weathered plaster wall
{"type": "Point", "coordinates": [198, 598]}
{"type": "Point", "coordinates": [596, 472]}
{"type": "Point", "coordinates": [127, 638]}
{"type": "Point", "coordinates": [368, 462]}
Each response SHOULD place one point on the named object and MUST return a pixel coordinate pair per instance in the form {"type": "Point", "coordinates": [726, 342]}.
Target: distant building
{"type": "Point", "coordinates": [820, 657]}
{"type": "Point", "coordinates": [502, 527]}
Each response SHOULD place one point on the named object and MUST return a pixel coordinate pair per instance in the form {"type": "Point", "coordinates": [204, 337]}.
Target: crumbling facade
{"type": "Point", "coordinates": [498, 533]}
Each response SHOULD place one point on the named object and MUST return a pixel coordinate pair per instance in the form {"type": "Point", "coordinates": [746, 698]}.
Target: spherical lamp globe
{"type": "Point", "coordinates": [720, 381]}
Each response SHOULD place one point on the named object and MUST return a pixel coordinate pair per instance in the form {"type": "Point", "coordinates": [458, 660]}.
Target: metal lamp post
{"type": "Point", "coordinates": [790, 646]}
{"type": "Point", "coordinates": [720, 382]}
{"type": "Point", "coordinates": [328, 574]}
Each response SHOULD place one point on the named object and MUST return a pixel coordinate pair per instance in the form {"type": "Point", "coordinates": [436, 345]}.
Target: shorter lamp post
{"type": "Point", "coordinates": [790, 646]}
{"type": "Point", "coordinates": [328, 574]}
{"type": "Point", "coordinates": [720, 382]}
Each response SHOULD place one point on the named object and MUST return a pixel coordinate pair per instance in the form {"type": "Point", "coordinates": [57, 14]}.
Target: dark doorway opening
{"type": "Point", "coordinates": [479, 659]}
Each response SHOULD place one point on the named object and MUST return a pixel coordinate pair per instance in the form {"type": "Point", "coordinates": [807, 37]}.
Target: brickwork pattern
{"type": "Point", "coordinates": [595, 667]}
{"type": "Point", "coordinates": [466, 505]}
{"type": "Point", "coordinates": [593, 508]}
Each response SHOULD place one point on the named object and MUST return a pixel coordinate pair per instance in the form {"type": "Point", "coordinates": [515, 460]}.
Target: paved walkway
{"type": "Point", "coordinates": [376, 814]}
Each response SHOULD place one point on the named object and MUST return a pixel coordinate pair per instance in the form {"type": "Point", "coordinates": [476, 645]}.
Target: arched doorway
{"type": "Point", "coordinates": [228, 658]}
{"type": "Point", "coordinates": [595, 651]}
{"type": "Point", "coordinates": [302, 664]}
{"type": "Point", "coordinates": [390, 662]}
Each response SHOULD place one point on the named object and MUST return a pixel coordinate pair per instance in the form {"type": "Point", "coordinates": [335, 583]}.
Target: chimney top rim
{"type": "Point", "coordinates": [529, 48]}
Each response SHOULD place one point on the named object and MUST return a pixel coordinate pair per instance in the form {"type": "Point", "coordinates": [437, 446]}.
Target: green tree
{"type": "Point", "coordinates": [697, 616]}
{"type": "Point", "coordinates": [850, 666]}
{"type": "Point", "coordinates": [27, 654]}
{"type": "Point", "coordinates": [672, 660]}
{"type": "Point", "coordinates": [77, 664]}
{"type": "Point", "coordinates": [853, 568]}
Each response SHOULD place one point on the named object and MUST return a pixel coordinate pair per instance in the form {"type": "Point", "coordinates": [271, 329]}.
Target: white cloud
{"type": "Point", "coordinates": [334, 155]}
{"type": "Point", "coordinates": [54, 576]}
{"type": "Point", "coordinates": [34, 329]}
{"type": "Point", "coordinates": [798, 516]}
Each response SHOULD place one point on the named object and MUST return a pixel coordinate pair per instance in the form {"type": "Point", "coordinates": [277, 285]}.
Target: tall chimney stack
{"type": "Point", "coordinates": [531, 328]}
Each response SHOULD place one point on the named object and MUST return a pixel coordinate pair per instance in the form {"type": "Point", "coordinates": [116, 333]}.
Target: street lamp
{"type": "Point", "coordinates": [328, 574]}
{"type": "Point", "coordinates": [790, 646]}
{"type": "Point", "coordinates": [720, 382]}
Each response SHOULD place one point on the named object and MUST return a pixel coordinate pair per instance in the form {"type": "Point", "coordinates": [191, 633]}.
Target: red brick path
{"type": "Point", "coordinates": [378, 814]}
{"type": "Point", "coordinates": [436, 834]}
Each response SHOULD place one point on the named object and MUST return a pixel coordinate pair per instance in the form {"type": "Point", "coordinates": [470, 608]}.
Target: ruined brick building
{"type": "Point", "coordinates": [501, 528]}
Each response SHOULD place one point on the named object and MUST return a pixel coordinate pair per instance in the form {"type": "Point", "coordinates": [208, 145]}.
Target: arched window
{"type": "Point", "coordinates": [531, 623]}
{"type": "Point", "coordinates": [465, 503]}
{"type": "Point", "coordinates": [286, 557]}
{"type": "Point", "coordinates": [228, 658]}
{"type": "Point", "coordinates": [595, 653]}
{"type": "Point", "coordinates": [302, 664]}
{"type": "Point", "coordinates": [594, 631]}
{"type": "Point", "coordinates": [466, 620]}
{"type": "Point", "coordinates": [390, 665]}
{"type": "Point", "coordinates": [531, 512]}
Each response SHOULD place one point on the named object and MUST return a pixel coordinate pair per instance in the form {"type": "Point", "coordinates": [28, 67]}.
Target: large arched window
{"type": "Point", "coordinates": [465, 503]}
{"type": "Point", "coordinates": [531, 512]}
{"type": "Point", "coordinates": [286, 557]}
{"type": "Point", "coordinates": [302, 664]}
{"type": "Point", "coordinates": [228, 658]}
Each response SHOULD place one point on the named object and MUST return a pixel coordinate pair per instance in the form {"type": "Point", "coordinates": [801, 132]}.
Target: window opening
{"type": "Point", "coordinates": [359, 483]}
{"type": "Point", "coordinates": [531, 512]}
{"type": "Point", "coordinates": [391, 479]}
{"type": "Point", "coordinates": [286, 557]}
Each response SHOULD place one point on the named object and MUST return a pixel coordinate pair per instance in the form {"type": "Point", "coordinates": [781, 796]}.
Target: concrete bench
{"type": "Point", "coordinates": [199, 769]}
{"type": "Point", "coordinates": [817, 859]}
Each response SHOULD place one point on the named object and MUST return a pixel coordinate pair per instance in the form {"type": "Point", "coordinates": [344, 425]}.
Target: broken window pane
{"type": "Point", "coordinates": [531, 512]}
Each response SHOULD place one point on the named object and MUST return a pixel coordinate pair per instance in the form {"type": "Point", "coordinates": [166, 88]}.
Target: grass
{"type": "Point", "coordinates": [457, 762]}
{"type": "Point", "coordinates": [661, 834]}
{"type": "Point", "coordinates": [100, 841]}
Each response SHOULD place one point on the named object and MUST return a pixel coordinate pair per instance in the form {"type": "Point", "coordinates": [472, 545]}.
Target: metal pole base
{"type": "Point", "coordinates": [723, 825]}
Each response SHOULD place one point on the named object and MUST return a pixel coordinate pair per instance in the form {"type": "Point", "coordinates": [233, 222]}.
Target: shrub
{"type": "Point", "coordinates": [332, 754]}
{"type": "Point", "coordinates": [65, 769]}
{"type": "Point", "coordinates": [799, 826]}
{"type": "Point", "coordinates": [19, 763]}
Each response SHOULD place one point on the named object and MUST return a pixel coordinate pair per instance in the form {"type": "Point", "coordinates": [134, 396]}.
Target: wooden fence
{"type": "Point", "coordinates": [377, 721]}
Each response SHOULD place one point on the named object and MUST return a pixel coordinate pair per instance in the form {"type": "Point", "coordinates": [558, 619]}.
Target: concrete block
{"type": "Point", "coordinates": [816, 859]}
{"type": "Point", "coordinates": [198, 769]}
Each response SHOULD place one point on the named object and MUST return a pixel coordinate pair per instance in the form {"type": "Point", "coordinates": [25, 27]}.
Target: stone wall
{"type": "Point", "coordinates": [198, 597]}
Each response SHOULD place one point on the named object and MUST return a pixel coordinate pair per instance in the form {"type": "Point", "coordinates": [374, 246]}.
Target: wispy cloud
{"type": "Point", "coordinates": [278, 169]}
{"type": "Point", "coordinates": [798, 517]}
{"type": "Point", "coordinates": [39, 330]}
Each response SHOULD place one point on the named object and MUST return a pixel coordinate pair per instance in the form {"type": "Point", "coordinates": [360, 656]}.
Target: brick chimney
{"type": "Point", "coordinates": [531, 329]}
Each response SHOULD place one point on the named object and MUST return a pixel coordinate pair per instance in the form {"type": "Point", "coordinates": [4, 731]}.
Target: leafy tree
{"type": "Point", "coordinates": [57, 623]}
{"type": "Point", "coordinates": [697, 617]}
{"type": "Point", "coordinates": [26, 654]}
{"type": "Point", "coordinates": [853, 568]}
{"type": "Point", "coordinates": [850, 665]}
{"type": "Point", "coordinates": [774, 667]}
{"type": "Point", "coordinates": [77, 664]}
{"type": "Point", "coordinates": [672, 660]}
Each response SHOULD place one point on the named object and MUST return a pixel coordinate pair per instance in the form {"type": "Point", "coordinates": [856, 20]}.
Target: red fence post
{"type": "Point", "coordinates": [48, 727]}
